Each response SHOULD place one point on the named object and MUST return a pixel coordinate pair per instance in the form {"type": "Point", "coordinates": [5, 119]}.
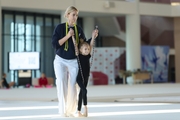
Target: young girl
{"type": "Point", "coordinates": [83, 74]}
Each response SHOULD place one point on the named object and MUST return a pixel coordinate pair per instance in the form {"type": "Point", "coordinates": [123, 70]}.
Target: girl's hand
{"type": "Point", "coordinates": [95, 34]}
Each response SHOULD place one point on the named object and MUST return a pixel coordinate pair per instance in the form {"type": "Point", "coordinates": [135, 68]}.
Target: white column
{"type": "Point", "coordinates": [133, 42]}
{"type": "Point", "coordinates": [63, 19]}
{"type": "Point", "coordinates": [0, 41]}
{"type": "Point", "coordinates": [88, 26]}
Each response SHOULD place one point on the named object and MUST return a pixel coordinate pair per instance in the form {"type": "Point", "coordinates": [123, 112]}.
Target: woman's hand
{"type": "Point", "coordinates": [76, 50]}
{"type": "Point", "coordinates": [71, 32]}
{"type": "Point", "coordinates": [75, 46]}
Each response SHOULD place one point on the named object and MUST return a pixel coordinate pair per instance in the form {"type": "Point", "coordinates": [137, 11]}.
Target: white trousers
{"type": "Point", "coordinates": [66, 88]}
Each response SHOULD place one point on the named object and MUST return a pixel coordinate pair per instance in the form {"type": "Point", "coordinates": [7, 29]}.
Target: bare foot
{"type": "Point", "coordinates": [80, 114]}
{"type": "Point", "coordinates": [85, 112]}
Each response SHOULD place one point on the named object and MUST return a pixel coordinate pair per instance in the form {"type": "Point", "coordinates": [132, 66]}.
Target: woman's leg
{"type": "Point", "coordinates": [61, 83]}
{"type": "Point", "coordinates": [72, 92]}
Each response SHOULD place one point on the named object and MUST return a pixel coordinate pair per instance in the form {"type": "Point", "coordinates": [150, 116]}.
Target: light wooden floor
{"type": "Point", "coordinates": [119, 102]}
{"type": "Point", "coordinates": [109, 92]}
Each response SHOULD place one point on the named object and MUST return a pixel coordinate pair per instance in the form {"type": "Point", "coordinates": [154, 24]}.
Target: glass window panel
{"type": "Point", "coordinates": [19, 33]}
{"type": "Point", "coordinates": [38, 43]}
{"type": "Point", "coordinates": [12, 43]}
{"type": "Point", "coordinates": [39, 48]}
{"type": "Point", "coordinates": [19, 43]}
{"type": "Point", "coordinates": [56, 21]}
{"type": "Point", "coordinates": [49, 55]}
{"type": "Point", "coordinates": [80, 22]}
{"type": "Point", "coordinates": [19, 26]}
{"type": "Point", "coordinates": [48, 27]}
{"type": "Point", "coordinates": [19, 37]}
{"type": "Point", "coordinates": [8, 24]}
{"type": "Point", "coordinates": [8, 43]}
{"type": "Point", "coordinates": [30, 43]}
{"type": "Point", "coordinates": [7, 48]}
{"type": "Point", "coordinates": [29, 25]}
{"type": "Point", "coordinates": [39, 26]}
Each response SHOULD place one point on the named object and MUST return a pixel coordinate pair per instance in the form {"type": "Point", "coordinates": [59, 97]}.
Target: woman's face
{"type": "Point", "coordinates": [72, 17]}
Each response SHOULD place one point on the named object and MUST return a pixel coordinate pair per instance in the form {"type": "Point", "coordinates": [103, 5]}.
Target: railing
{"type": "Point", "coordinates": [151, 1]}
{"type": "Point", "coordinates": [161, 1]}
{"type": "Point", "coordinates": [172, 2]}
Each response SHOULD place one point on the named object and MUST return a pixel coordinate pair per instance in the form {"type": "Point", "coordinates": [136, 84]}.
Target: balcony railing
{"type": "Point", "coordinates": [172, 2]}
{"type": "Point", "coordinates": [162, 1]}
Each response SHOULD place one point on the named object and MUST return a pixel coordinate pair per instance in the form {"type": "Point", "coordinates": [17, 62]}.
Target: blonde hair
{"type": "Point", "coordinates": [69, 10]}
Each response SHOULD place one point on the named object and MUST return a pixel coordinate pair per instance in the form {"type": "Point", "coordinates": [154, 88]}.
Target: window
{"type": "Point", "coordinates": [28, 32]}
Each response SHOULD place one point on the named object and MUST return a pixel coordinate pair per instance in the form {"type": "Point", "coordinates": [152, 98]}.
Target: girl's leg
{"type": "Point", "coordinates": [85, 111]}
{"type": "Point", "coordinates": [80, 104]}
{"type": "Point", "coordinates": [80, 98]}
{"type": "Point", "coordinates": [61, 84]}
{"type": "Point", "coordinates": [82, 95]}
{"type": "Point", "coordinates": [85, 97]}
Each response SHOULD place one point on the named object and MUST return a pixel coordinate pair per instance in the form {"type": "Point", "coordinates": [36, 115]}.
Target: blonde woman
{"type": "Point", "coordinates": [66, 61]}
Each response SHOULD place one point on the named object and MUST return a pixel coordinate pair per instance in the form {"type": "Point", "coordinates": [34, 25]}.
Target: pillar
{"type": "Point", "coordinates": [133, 42]}
{"type": "Point", "coordinates": [177, 48]}
{"type": "Point", "coordinates": [63, 19]}
{"type": "Point", "coordinates": [0, 41]}
{"type": "Point", "coordinates": [88, 26]}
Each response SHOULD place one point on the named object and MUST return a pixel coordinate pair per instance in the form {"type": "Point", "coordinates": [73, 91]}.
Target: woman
{"type": "Point", "coordinates": [66, 60]}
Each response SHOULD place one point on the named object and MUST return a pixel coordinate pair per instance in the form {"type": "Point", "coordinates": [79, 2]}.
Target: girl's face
{"type": "Point", "coordinates": [85, 49]}
{"type": "Point", "coordinates": [72, 17]}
